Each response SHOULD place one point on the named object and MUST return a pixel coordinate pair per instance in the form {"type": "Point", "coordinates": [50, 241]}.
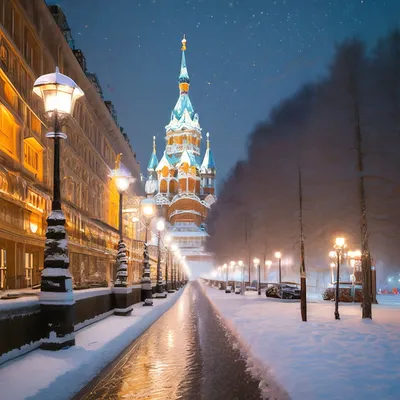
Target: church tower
{"type": "Point", "coordinates": [184, 182]}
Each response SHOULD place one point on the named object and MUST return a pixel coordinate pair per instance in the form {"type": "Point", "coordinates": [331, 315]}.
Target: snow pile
{"type": "Point", "coordinates": [323, 358]}
{"type": "Point", "coordinates": [65, 372]}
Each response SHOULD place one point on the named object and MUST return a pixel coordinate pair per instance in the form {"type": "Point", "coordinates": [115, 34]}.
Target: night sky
{"type": "Point", "coordinates": [243, 56]}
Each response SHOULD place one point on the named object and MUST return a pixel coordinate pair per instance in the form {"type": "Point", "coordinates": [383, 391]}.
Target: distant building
{"type": "Point", "coordinates": [181, 182]}
{"type": "Point", "coordinates": [33, 41]}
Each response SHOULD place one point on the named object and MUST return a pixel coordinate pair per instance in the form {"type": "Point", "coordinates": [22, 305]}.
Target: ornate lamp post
{"type": "Point", "coordinates": [167, 245]}
{"type": "Point", "coordinates": [278, 255]}
{"type": "Point", "coordinates": [160, 287]}
{"type": "Point", "coordinates": [256, 262]}
{"type": "Point", "coordinates": [59, 94]}
{"type": "Point", "coordinates": [122, 180]}
{"type": "Point", "coordinates": [340, 245]}
{"type": "Point", "coordinates": [147, 208]}
{"type": "Point", "coordinates": [175, 252]}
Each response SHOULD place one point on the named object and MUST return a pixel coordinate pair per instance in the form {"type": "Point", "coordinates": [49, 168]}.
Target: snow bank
{"type": "Point", "coordinates": [63, 373]}
{"type": "Point", "coordinates": [323, 358]}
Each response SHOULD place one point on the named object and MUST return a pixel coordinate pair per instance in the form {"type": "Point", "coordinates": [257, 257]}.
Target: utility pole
{"type": "Point", "coordinates": [303, 277]}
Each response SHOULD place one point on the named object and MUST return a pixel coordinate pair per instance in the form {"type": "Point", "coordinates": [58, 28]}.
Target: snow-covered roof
{"type": "Point", "coordinates": [184, 74]}
{"type": "Point", "coordinates": [208, 164]}
{"type": "Point", "coordinates": [181, 105]}
{"type": "Point", "coordinates": [153, 162]}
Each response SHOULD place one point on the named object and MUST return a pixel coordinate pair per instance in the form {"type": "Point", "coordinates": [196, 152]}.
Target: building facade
{"type": "Point", "coordinates": [182, 182]}
{"type": "Point", "coordinates": [34, 39]}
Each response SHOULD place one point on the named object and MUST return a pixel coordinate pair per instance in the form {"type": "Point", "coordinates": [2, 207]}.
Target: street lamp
{"type": "Point", "coordinates": [340, 245]}
{"type": "Point", "coordinates": [122, 179]}
{"type": "Point", "coordinates": [167, 245]}
{"type": "Point", "coordinates": [278, 255]}
{"type": "Point", "coordinates": [160, 226]}
{"type": "Point", "coordinates": [175, 251]}
{"type": "Point", "coordinates": [59, 94]}
{"type": "Point", "coordinates": [148, 210]}
{"type": "Point", "coordinates": [241, 265]}
{"type": "Point", "coordinates": [256, 262]}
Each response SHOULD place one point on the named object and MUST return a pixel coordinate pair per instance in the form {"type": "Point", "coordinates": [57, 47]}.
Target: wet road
{"type": "Point", "coordinates": [186, 354]}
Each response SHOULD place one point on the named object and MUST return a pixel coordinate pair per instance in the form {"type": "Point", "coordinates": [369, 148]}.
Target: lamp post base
{"type": "Point", "coordinates": [59, 322]}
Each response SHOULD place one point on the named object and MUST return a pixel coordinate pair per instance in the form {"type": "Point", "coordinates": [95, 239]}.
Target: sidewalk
{"type": "Point", "coordinates": [59, 375]}
{"type": "Point", "coordinates": [322, 358]}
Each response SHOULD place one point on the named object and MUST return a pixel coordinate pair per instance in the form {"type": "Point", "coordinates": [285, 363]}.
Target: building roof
{"type": "Point", "coordinates": [153, 162]}
{"type": "Point", "coordinates": [208, 164]}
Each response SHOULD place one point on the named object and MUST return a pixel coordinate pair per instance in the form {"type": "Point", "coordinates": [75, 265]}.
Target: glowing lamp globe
{"type": "Point", "coordinates": [339, 242]}
{"type": "Point", "coordinates": [240, 263]}
{"type": "Point", "coordinates": [268, 263]}
{"type": "Point", "coordinates": [256, 261]}
{"type": "Point", "coordinates": [122, 183]}
{"type": "Point", "coordinates": [160, 225]}
{"type": "Point", "coordinates": [58, 92]}
{"type": "Point", "coordinates": [147, 206]}
{"type": "Point", "coordinates": [278, 254]}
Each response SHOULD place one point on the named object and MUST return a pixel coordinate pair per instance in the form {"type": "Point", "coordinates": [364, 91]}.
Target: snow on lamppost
{"type": "Point", "coordinates": [175, 252]}
{"type": "Point", "coordinates": [167, 245]}
{"type": "Point", "coordinates": [147, 210]}
{"type": "Point", "coordinates": [278, 255]}
{"type": "Point", "coordinates": [59, 94]}
{"type": "Point", "coordinates": [256, 263]}
{"type": "Point", "coordinates": [160, 226]}
{"type": "Point", "coordinates": [340, 245]}
{"type": "Point", "coordinates": [122, 179]}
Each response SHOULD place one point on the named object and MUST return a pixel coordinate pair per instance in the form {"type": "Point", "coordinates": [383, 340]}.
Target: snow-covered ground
{"type": "Point", "coordinates": [59, 375]}
{"type": "Point", "coordinates": [322, 359]}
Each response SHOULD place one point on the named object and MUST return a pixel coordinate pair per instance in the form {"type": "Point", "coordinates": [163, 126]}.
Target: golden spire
{"type": "Point", "coordinates": [208, 140]}
{"type": "Point", "coordinates": [154, 145]}
{"type": "Point", "coordinates": [183, 48]}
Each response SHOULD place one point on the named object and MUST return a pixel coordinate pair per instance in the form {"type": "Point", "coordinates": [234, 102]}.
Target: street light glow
{"type": "Point", "coordinates": [147, 206]}
{"type": "Point", "coordinates": [278, 254]}
{"type": "Point", "coordinates": [58, 92]}
{"type": "Point", "coordinates": [160, 226]}
{"type": "Point", "coordinates": [256, 261]}
{"type": "Point", "coordinates": [240, 263]}
{"type": "Point", "coordinates": [122, 182]}
{"type": "Point", "coordinates": [339, 241]}
{"type": "Point", "coordinates": [268, 263]}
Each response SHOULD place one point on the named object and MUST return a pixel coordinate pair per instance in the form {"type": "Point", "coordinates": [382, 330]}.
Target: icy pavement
{"type": "Point", "coordinates": [59, 375]}
{"type": "Point", "coordinates": [187, 354]}
{"type": "Point", "coordinates": [322, 359]}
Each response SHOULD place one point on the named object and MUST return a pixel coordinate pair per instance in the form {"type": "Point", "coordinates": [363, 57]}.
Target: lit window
{"type": "Point", "coordinates": [35, 124]}
{"type": "Point", "coordinates": [33, 153]}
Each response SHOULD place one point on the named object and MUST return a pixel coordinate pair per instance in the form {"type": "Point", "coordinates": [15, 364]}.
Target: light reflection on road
{"type": "Point", "coordinates": [167, 361]}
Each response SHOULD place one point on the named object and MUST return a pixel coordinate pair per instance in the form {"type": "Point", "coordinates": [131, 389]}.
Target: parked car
{"type": "Point", "coordinates": [238, 289]}
{"type": "Point", "coordinates": [284, 290]}
{"type": "Point", "coordinates": [228, 289]}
